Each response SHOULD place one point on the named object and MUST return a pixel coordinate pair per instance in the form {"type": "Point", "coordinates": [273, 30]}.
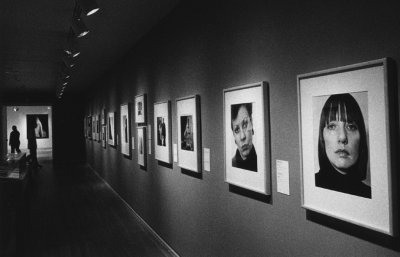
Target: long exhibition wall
{"type": "Point", "coordinates": [203, 48]}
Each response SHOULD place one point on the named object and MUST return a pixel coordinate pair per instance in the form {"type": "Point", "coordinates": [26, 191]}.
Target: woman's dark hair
{"type": "Point", "coordinates": [235, 110]}
{"type": "Point", "coordinates": [347, 109]}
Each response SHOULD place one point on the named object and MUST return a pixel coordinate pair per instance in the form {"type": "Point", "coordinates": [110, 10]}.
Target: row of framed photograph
{"type": "Point", "coordinates": [344, 140]}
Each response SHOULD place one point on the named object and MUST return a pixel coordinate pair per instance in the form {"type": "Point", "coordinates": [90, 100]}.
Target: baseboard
{"type": "Point", "coordinates": [145, 226]}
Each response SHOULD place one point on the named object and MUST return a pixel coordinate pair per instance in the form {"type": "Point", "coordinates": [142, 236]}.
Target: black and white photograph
{"type": "Point", "coordinates": [111, 129]}
{"type": "Point", "coordinates": [125, 130]}
{"type": "Point", "coordinates": [189, 129]}
{"type": "Point", "coordinates": [141, 146]}
{"type": "Point", "coordinates": [37, 124]}
{"type": "Point", "coordinates": [345, 144]}
{"type": "Point", "coordinates": [140, 108]}
{"type": "Point", "coordinates": [246, 156]}
{"type": "Point", "coordinates": [162, 131]}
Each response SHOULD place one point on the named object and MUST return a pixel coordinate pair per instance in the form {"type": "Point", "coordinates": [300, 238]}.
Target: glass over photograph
{"type": "Point", "coordinates": [343, 145]}
{"type": "Point", "coordinates": [161, 132]}
{"type": "Point", "coordinates": [187, 133]}
{"type": "Point", "coordinates": [245, 156]}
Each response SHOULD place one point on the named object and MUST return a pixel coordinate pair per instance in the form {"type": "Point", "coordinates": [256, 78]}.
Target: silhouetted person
{"type": "Point", "coordinates": [32, 146]}
{"type": "Point", "coordinates": [14, 140]}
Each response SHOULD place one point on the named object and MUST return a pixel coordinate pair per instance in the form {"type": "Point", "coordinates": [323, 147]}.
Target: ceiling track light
{"type": "Point", "coordinates": [71, 46]}
{"type": "Point", "coordinates": [79, 27]}
{"type": "Point", "coordinates": [88, 7]}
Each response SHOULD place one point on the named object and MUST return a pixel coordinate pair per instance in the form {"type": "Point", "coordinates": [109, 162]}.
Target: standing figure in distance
{"type": "Point", "coordinates": [14, 140]}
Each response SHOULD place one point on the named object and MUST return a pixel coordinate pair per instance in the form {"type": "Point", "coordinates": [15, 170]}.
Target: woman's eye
{"type": "Point", "coordinates": [236, 130]}
{"type": "Point", "coordinates": [245, 124]}
{"type": "Point", "coordinates": [352, 126]}
{"type": "Point", "coordinates": [331, 126]}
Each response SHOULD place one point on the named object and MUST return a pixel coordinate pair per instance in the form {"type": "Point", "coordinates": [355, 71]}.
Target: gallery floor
{"type": "Point", "coordinates": [74, 213]}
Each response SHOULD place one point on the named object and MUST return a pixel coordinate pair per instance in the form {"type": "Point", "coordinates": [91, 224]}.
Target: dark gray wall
{"type": "Point", "coordinates": [202, 48]}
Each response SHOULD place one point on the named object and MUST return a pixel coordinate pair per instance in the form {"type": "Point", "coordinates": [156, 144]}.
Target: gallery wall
{"type": "Point", "coordinates": [203, 48]}
{"type": "Point", "coordinates": [18, 118]}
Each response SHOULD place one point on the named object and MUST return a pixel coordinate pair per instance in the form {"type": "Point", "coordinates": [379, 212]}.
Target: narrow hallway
{"type": "Point", "coordinates": [74, 213]}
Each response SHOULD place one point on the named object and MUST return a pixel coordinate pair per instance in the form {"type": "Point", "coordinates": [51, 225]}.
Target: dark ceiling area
{"type": "Point", "coordinates": [34, 34]}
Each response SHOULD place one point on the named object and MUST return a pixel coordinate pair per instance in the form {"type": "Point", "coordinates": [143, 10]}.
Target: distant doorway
{"type": "Point", "coordinates": [35, 118]}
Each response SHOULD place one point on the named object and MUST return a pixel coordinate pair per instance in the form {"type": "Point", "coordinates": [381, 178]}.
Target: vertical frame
{"type": "Point", "coordinates": [125, 126]}
{"type": "Point", "coordinates": [345, 144]}
{"type": "Point", "coordinates": [141, 146]}
{"type": "Point", "coordinates": [162, 131]}
{"type": "Point", "coordinates": [189, 133]}
{"type": "Point", "coordinates": [246, 135]}
{"type": "Point", "coordinates": [140, 108]}
{"type": "Point", "coordinates": [111, 129]}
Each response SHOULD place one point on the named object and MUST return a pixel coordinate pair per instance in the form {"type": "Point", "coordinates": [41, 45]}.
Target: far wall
{"type": "Point", "coordinates": [18, 119]}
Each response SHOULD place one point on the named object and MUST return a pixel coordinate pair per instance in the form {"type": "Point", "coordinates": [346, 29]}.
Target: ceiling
{"type": "Point", "coordinates": [34, 33]}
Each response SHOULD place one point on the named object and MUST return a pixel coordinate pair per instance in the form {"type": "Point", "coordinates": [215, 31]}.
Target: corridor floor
{"type": "Point", "coordinates": [73, 213]}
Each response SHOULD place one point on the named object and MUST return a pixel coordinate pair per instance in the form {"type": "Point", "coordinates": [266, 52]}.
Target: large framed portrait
{"type": "Point", "coordinates": [140, 108]}
{"type": "Point", "coordinates": [125, 130]}
{"type": "Point", "coordinates": [162, 131]}
{"type": "Point", "coordinates": [141, 146]}
{"type": "Point", "coordinates": [345, 144]}
{"type": "Point", "coordinates": [189, 133]}
{"type": "Point", "coordinates": [103, 116]}
{"type": "Point", "coordinates": [38, 125]}
{"type": "Point", "coordinates": [247, 160]}
{"type": "Point", "coordinates": [111, 129]}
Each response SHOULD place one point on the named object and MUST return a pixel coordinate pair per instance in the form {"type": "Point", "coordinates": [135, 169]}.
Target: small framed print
{"type": "Point", "coordinates": [98, 128]}
{"type": "Point", "coordinates": [104, 136]}
{"type": "Point", "coordinates": [246, 134]}
{"type": "Point", "coordinates": [189, 133]}
{"type": "Point", "coordinates": [140, 108]}
{"type": "Point", "coordinates": [345, 144]}
{"type": "Point", "coordinates": [141, 146]}
{"type": "Point", "coordinates": [103, 117]}
{"type": "Point", "coordinates": [85, 126]}
{"type": "Point", "coordinates": [162, 131]}
{"type": "Point", "coordinates": [94, 137]}
{"type": "Point", "coordinates": [89, 127]}
{"type": "Point", "coordinates": [111, 129]}
{"type": "Point", "coordinates": [125, 130]}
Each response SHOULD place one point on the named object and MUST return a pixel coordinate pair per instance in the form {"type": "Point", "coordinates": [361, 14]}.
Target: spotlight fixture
{"type": "Point", "coordinates": [65, 83]}
{"type": "Point", "coordinates": [88, 7]}
{"type": "Point", "coordinates": [79, 27]}
{"type": "Point", "coordinates": [15, 109]}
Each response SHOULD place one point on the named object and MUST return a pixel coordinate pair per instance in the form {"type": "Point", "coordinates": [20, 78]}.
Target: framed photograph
{"type": "Point", "coordinates": [125, 130]}
{"type": "Point", "coordinates": [38, 125]}
{"type": "Point", "coordinates": [98, 128]}
{"type": "Point", "coordinates": [89, 127]}
{"type": "Point", "coordinates": [140, 108]}
{"type": "Point", "coordinates": [94, 136]}
{"type": "Point", "coordinates": [111, 129]}
{"type": "Point", "coordinates": [103, 117]}
{"type": "Point", "coordinates": [141, 146]}
{"type": "Point", "coordinates": [189, 133]}
{"type": "Point", "coordinates": [247, 160]}
{"type": "Point", "coordinates": [85, 127]}
{"type": "Point", "coordinates": [162, 131]}
{"type": "Point", "coordinates": [345, 144]}
{"type": "Point", "coordinates": [104, 136]}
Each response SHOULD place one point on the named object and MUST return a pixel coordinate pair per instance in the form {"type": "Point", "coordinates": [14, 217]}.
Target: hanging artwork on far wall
{"type": "Point", "coordinates": [162, 131]}
{"type": "Point", "coordinates": [345, 144]}
{"type": "Point", "coordinates": [125, 130]}
{"type": "Point", "coordinates": [89, 127]}
{"type": "Point", "coordinates": [38, 125]}
{"type": "Point", "coordinates": [140, 108]}
{"type": "Point", "coordinates": [111, 129]}
{"type": "Point", "coordinates": [246, 134]}
{"type": "Point", "coordinates": [104, 136]}
{"type": "Point", "coordinates": [141, 146]}
{"type": "Point", "coordinates": [189, 133]}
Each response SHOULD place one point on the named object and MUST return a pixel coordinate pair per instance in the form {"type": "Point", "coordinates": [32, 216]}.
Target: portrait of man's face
{"type": "Point", "coordinates": [242, 128]}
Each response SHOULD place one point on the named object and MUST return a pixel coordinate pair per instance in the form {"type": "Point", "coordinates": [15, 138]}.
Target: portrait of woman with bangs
{"type": "Point", "coordinates": [343, 147]}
